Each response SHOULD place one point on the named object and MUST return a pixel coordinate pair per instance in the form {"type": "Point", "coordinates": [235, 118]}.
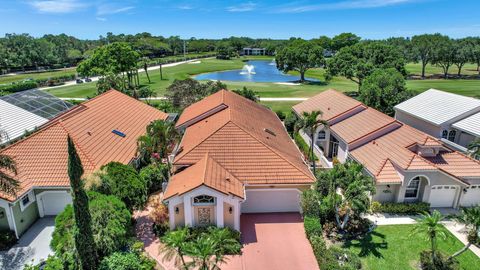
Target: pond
{"type": "Point", "coordinates": [252, 71]}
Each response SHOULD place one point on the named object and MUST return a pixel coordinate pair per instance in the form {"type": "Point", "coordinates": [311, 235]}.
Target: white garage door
{"type": "Point", "coordinates": [275, 200]}
{"type": "Point", "coordinates": [442, 196]}
{"type": "Point", "coordinates": [472, 197]}
{"type": "Point", "coordinates": [54, 202]}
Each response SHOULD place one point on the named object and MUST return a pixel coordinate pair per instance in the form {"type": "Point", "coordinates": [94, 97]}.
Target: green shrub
{"type": "Point", "coordinates": [7, 239]}
{"type": "Point", "coordinates": [304, 147]}
{"type": "Point", "coordinates": [19, 86]}
{"type": "Point", "coordinates": [52, 263]}
{"type": "Point", "coordinates": [344, 259]}
{"type": "Point", "coordinates": [111, 227]}
{"type": "Point", "coordinates": [400, 208]}
{"type": "Point", "coordinates": [124, 182]}
{"type": "Point", "coordinates": [310, 203]}
{"type": "Point", "coordinates": [154, 175]}
{"type": "Point", "coordinates": [312, 226]}
{"type": "Point", "coordinates": [126, 261]}
{"type": "Point", "coordinates": [441, 261]}
{"type": "Point", "coordinates": [290, 122]}
{"type": "Point", "coordinates": [281, 115]}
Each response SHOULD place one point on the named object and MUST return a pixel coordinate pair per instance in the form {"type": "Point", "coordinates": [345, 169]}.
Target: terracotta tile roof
{"type": "Point", "coordinates": [388, 174]}
{"type": "Point", "coordinates": [249, 141]}
{"type": "Point", "coordinates": [361, 124]}
{"type": "Point", "coordinates": [214, 101]}
{"type": "Point", "coordinates": [384, 154]}
{"type": "Point", "coordinates": [331, 102]}
{"type": "Point", "coordinates": [42, 157]}
{"type": "Point", "coordinates": [457, 164]}
{"type": "Point", "coordinates": [206, 172]}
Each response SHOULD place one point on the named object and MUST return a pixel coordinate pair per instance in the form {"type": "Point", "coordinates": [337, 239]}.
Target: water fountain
{"type": "Point", "coordinates": [273, 63]}
{"type": "Point", "coordinates": [248, 70]}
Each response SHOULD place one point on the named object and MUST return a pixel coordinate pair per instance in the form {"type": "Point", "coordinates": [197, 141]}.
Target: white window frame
{"type": "Point", "coordinates": [417, 188]}
{"type": "Point", "coordinates": [324, 135]}
{"type": "Point", "coordinates": [454, 132]}
{"type": "Point", "coordinates": [204, 203]}
{"type": "Point", "coordinates": [31, 197]}
{"type": "Point", "coordinates": [445, 134]}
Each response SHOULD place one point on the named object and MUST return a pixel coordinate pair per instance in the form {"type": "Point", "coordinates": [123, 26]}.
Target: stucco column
{"type": "Point", "coordinates": [236, 216]}
{"type": "Point", "coordinates": [401, 194]}
{"type": "Point", "coordinates": [171, 215]}
{"type": "Point", "coordinates": [219, 212]}
{"type": "Point", "coordinates": [187, 204]}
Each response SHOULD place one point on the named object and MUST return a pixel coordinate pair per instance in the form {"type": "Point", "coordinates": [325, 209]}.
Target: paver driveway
{"type": "Point", "coordinates": [273, 241]}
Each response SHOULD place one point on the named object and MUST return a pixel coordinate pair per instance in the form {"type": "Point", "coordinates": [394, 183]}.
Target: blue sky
{"type": "Point", "coordinates": [217, 18]}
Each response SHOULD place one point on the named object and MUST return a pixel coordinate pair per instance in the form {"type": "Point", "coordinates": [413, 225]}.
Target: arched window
{"type": "Point", "coordinates": [445, 134]}
{"type": "Point", "coordinates": [204, 200]}
{"type": "Point", "coordinates": [411, 191]}
{"type": "Point", "coordinates": [451, 135]}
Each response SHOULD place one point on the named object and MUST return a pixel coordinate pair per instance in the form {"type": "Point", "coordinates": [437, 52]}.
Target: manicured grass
{"type": "Point", "coordinates": [37, 75]}
{"type": "Point", "coordinates": [416, 69]}
{"type": "Point", "coordinates": [394, 247]}
{"type": "Point", "coordinates": [463, 87]}
{"type": "Point", "coordinates": [283, 106]}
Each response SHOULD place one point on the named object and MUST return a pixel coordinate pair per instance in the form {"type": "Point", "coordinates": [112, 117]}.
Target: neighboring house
{"type": "Point", "coordinates": [453, 118]}
{"type": "Point", "coordinates": [14, 121]}
{"type": "Point", "coordinates": [254, 51]}
{"type": "Point", "coordinates": [104, 129]}
{"type": "Point", "coordinates": [406, 164]}
{"type": "Point", "coordinates": [235, 157]}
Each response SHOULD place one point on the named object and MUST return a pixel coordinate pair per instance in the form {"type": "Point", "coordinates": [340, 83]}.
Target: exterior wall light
{"type": "Point", "coordinates": [230, 210]}
{"type": "Point", "coordinates": [177, 210]}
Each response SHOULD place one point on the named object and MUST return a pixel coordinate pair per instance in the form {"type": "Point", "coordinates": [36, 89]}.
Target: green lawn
{"type": "Point", "coordinates": [284, 106]}
{"type": "Point", "coordinates": [394, 247]}
{"type": "Point", "coordinates": [416, 69]}
{"type": "Point", "coordinates": [37, 75]}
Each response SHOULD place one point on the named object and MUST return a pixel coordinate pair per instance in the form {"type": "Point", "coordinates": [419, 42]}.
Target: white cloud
{"type": "Point", "coordinates": [348, 4]}
{"type": "Point", "coordinates": [249, 6]}
{"type": "Point", "coordinates": [101, 19]}
{"type": "Point", "coordinates": [58, 6]}
{"type": "Point", "coordinates": [185, 7]}
{"type": "Point", "coordinates": [110, 9]}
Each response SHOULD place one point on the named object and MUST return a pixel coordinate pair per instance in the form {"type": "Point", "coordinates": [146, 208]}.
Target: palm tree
{"type": "Point", "coordinates": [8, 184]}
{"type": "Point", "coordinates": [159, 139]}
{"type": "Point", "coordinates": [205, 252]}
{"type": "Point", "coordinates": [356, 188]}
{"type": "Point", "coordinates": [470, 217]}
{"type": "Point", "coordinates": [310, 122]}
{"type": "Point", "coordinates": [430, 227]}
{"type": "Point", "coordinates": [474, 148]}
{"type": "Point", "coordinates": [175, 245]}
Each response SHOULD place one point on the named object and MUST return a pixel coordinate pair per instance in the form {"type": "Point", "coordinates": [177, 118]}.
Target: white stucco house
{"type": "Point", "coordinates": [235, 157]}
{"type": "Point", "coordinates": [453, 118]}
{"type": "Point", "coordinates": [406, 164]}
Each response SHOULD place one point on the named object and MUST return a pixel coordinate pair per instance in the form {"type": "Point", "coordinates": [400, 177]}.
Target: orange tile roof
{"type": "Point", "coordinates": [361, 124]}
{"type": "Point", "coordinates": [382, 155]}
{"type": "Point", "coordinates": [216, 100]}
{"type": "Point", "coordinates": [248, 140]}
{"type": "Point", "coordinates": [206, 172]}
{"type": "Point", "coordinates": [42, 157]}
{"type": "Point", "coordinates": [331, 102]}
{"type": "Point", "coordinates": [388, 174]}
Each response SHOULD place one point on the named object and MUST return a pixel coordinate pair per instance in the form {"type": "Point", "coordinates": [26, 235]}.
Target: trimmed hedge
{"type": "Point", "coordinates": [400, 208]}
{"type": "Point", "coordinates": [17, 87]}
{"type": "Point", "coordinates": [304, 147]}
{"type": "Point", "coordinates": [55, 80]}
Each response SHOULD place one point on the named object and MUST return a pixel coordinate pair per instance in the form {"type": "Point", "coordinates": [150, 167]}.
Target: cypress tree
{"type": "Point", "coordinates": [84, 243]}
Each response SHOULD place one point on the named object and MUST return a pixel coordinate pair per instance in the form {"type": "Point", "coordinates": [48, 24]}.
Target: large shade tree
{"type": "Point", "coordinates": [424, 47]}
{"type": "Point", "coordinates": [300, 55]}
{"type": "Point", "coordinates": [360, 60]}
{"type": "Point", "coordinates": [383, 89]}
{"type": "Point", "coordinates": [444, 54]}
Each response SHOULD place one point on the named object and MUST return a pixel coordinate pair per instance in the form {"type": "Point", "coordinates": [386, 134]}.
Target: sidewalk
{"type": "Point", "coordinates": [458, 230]}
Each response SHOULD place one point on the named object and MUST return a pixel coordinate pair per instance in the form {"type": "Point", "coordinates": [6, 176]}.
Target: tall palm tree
{"type": "Point", "coordinates": [310, 122]}
{"type": "Point", "coordinates": [175, 246]}
{"type": "Point", "coordinates": [470, 217]}
{"type": "Point", "coordinates": [474, 148]}
{"type": "Point", "coordinates": [8, 184]}
{"type": "Point", "coordinates": [430, 227]}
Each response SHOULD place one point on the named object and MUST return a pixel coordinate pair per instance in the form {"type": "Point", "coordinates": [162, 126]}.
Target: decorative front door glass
{"type": "Point", "coordinates": [204, 214]}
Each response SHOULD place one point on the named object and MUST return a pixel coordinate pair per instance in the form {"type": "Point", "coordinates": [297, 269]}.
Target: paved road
{"type": "Point", "coordinates": [139, 70]}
